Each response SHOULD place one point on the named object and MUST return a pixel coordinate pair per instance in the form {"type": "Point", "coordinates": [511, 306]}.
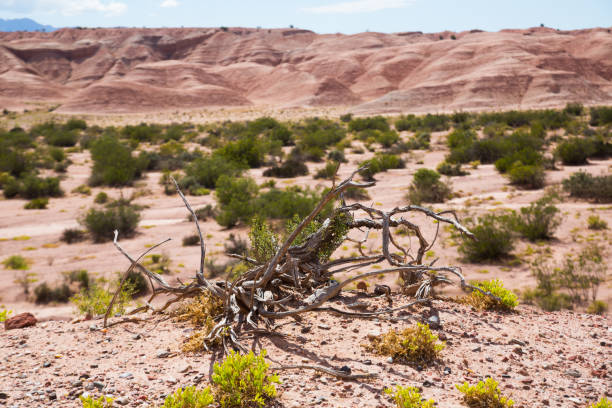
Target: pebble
{"type": "Point", "coordinates": [163, 354]}
{"type": "Point", "coordinates": [390, 360]}
{"type": "Point", "coordinates": [447, 370]}
{"type": "Point", "coordinates": [373, 334]}
{"type": "Point", "coordinates": [324, 327]}
{"type": "Point", "coordinates": [573, 373]}
{"type": "Point", "coordinates": [122, 400]}
{"type": "Point", "coordinates": [98, 385]}
{"type": "Point", "coordinates": [126, 376]}
{"type": "Point", "coordinates": [434, 322]}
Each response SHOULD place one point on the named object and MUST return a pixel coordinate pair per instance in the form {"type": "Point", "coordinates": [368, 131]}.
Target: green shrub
{"type": "Point", "coordinates": [243, 380]}
{"type": "Point", "coordinates": [484, 395]}
{"type": "Point", "coordinates": [602, 403]}
{"type": "Point", "coordinates": [113, 163]}
{"type": "Point", "coordinates": [596, 223]}
{"type": "Point", "coordinates": [601, 115]}
{"type": "Point", "coordinates": [337, 156]}
{"type": "Point", "coordinates": [450, 169]}
{"type": "Point", "coordinates": [420, 141]}
{"type": "Point", "coordinates": [189, 397]}
{"type": "Point", "coordinates": [527, 157]}
{"type": "Point", "coordinates": [82, 189]}
{"type": "Point", "coordinates": [426, 187]}
{"type": "Point", "coordinates": [72, 235]}
{"type": "Point", "coordinates": [16, 262]}
{"type": "Point", "coordinates": [37, 204]}
{"type": "Point", "coordinates": [205, 171]}
{"type": "Point", "coordinates": [574, 108]}
{"type": "Point", "coordinates": [380, 163]}
{"type": "Point", "coordinates": [373, 122]}
{"type": "Point", "coordinates": [493, 239]}
{"type": "Point", "coordinates": [191, 240]}
{"type": "Point", "coordinates": [102, 402]}
{"type": "Point", "coordinates": [413, 345]}
{"type": "Point", "coordinates": [356, 193]}
{"type": "Point", "coordinates": [101, 198]}
{"type": "Point", "coordinates": [585, 185]}
{"type": "Point", "coordinates": [292, 167]}
{"type": "Point", "coordinates": [204, 213]}
{"type": "Point", "coordinates": [80, 276]}
{"type": "Point", "coordinates": [538, 221]}
{"type": "Point", "coordinates": [408, 397]}
{"type": "Point", "coordinates": [235, 197]}
{"type": "Point", "coordinates": [347, 117]}
{"type": "Point", "coordinates": [264, 242]}
{"type": "Point", "coordinates": [327, 172]}
{"type": "Point", "coordinates": [598, 307]}
{"type": "Point", "coordinates": [44, 294]}
{"type": "Point", "coordinates": [32, 186]}
{"type": "Point", "coordinates": [507, 299]}
{"type": "Point", "coordinates": [74, 124]}
{"type": "Point", "coordinates": [4, 314]}
{"type": "Point", "coordinates": [101, 224]}
{"type": "Point", "coordinates": [315, 135]}
{"type": "Point", "coordinates": [387, 138]}
{"type": "Point", "coordinates": [137, 282]}
{"type": "Point", "coordinates": [527, 176]}
{"type": "Point", "coordinates": [95, 299]}
{"type": "Point", "coordinates": [574, 151]}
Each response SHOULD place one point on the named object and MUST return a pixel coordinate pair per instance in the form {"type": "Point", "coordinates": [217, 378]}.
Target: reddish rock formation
{"type": "Point", "coordinates": [137, 70]}
{"type": "Point", "coordinates": [20, 321]}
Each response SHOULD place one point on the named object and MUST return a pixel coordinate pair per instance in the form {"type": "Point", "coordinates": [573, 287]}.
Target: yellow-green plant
{"type": "Point", "coordinates": [598, 307]}
{"type": "Point", "coordinates": [408, 397]}
{"type": "Point", "coordinates": [200, 311]}
{"type": "Point", "coordinates": [596, 223]}
{"type": "Point", "coordinates": [602, 403]}
{"type": "Point", "coordinates": [485, 394]}
{"type": "Point", "coordinates": [94, 300]}
{"type": "Point", "coordinates": [189, 397]}
{"type": "Point", "coordinates": [413, 345]}
{"type": "Point", "coordinates": [242, 380]}
{"type": "Point", "coordinates": [16, 262]}
{"type": "Point", "coordinates": [4, 314]}
{"type": "Point", "coordinates": [507, 299]}
{"type": "Point", "coordinates": [102, 402]}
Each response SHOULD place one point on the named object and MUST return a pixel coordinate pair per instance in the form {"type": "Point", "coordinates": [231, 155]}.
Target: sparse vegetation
{"type": "Point", "coordinates": [101, 224]}
{"type": "Point", "coordinates": [493, 239]}
{"type": "Point", "coordinates": [427, 187]}
{"type": "Point", "coordinates": [587, 186]}
{"type": "Point", "coordinates": [485, 394]}
{"type": "Point", "coordinates": [101, 402]}
{"type": "Point", "coordinates": [538, 221]}
{"type": "Point", "coordinates": [16, 262]}
{"type": "Point", "coordinates": [596, 223]}
{"type": "Point", "coordinates": [73, 235]}
{"type": "Point", "coordinates": [408, 397]}
{"type": "Point", "coordinates": [507, 299]}
{"type": "Point", "coordinates": [189, 397]}
{"type": "Point", "coordinates": [414, 345]}
{"type": "Point", "coordinates": [95, 299]}
{"type": "Point", "coordinates": [37, 204]}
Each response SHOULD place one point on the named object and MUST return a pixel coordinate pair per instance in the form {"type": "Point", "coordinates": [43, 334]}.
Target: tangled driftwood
{"type": "Point", "coordinates": [295, 280]}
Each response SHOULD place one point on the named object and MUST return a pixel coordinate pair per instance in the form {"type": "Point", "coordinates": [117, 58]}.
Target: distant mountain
{"type": "Point", "coordinates": [23, 24]}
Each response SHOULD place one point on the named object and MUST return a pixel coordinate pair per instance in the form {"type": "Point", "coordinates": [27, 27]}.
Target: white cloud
{"type": "Point", "coordinates": [65, 7]}
{"type": "Point", "coordinates": [359, 6]}
{"type": "Point", "coordinates": [169, 3]}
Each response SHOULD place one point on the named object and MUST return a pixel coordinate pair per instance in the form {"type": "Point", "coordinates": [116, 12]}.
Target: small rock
{"type": "Point", "coordinates": [447, 371]}
{"type": "Point", "coordinates": [163, 354]}
{"type": "Point", "coordinates": [185, 369]}
{"type": "Point", "coordinates": [390, 360]}
{"type": "Point", "coordinates": [171, 380]}
{"type": "Point", "coordinates": [126, 375]}
{"type": "Point", "coordinates": [367, 362]}
{"type": "Point", "coordinates": [20, 321]}
{"type": "Point", "coordinates": [575, 400]}
{"type": "Point", "coordinates": [46, 364]}
{"type": "Point", "coordinates": [52, 395]}
{"type": "Point", "coordinates": [573, 373]}
{"type": "Point", "coordinates": [324, 327]}
{"type": "Point", "coordinates": [122, 400]}
{"type": "Point", "coordinates": [434, 322]}
{"type": "Point", "coordinates": [3, 396]}
{"type": "Point", "coordinates": [98, 385]}
{"type": "Point", "coordinates": [136, 337]}
{"type": "Point", "coordinates": [305, 329]}
{"type": "Point", "coordinates": [518, 342]}
{"type": "Point", "coordinates": [346, 369]}
{"type": "Point", "coordinates": [477, 349]}
{"type": "Point", "coordinates": [373, 334]}
{"type": "Point", "coordinates": [94, 327]}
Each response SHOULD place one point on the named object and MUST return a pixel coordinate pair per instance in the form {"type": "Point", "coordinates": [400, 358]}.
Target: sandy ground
{"type": "Point", "coordinates": [540, 359]}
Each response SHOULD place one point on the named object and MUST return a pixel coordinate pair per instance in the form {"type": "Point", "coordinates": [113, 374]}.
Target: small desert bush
{"type": "Point", "coordinates": [427, 187]}
{"type": "Point", "coordinates": [374, 122]}
{"type": "Point", "coordinates": [101, 224]}
{"type": "Point", "coordinates": [420, 141]}
{"type": "Point", "coordinates": [493, 239]}
{"type": "Point", "coordinates": [538, 221]}
{"type": "Point", "coordinates": [602, 403]}
{"type": "Point", "coordinates": [507, 299]}
{"type": "Point", "coordinates": [73, 235]}
{"type": "Point", "coordinates": [451, 169]}
{"type": "Point", "coordinates": [189, 397]}
{"type": "Point", "coordinates": [137, 282]}
{"type": "Point", "coordinates": [32, 186]}
{"type": "Point", "coordinates": [587, 186]}
{"type": "Point", "coordinates": [356, 193]}
{"type": "Point", "coordinates": [264, 242]}
{"type": "Point", "coordinates": [327, 172]}
{"type": "Point", "coordinates": [601, 115]}
{"type": "Point", "coordinates": [598, 307]}
{"type": "Point", "coordinates": [113, 163]}
{"type": "Point", "coordinates": [485, 394]}
{"type": "Point", "coordinates": [574, 151]}
{"type": "Point", "coordinates": [292, 167]}
{"type": "Point", "coordinates": [243, 380]}
{"type": "Point", "coordinates": [380, 163]}
{"type": "Point", "coordinates": [235, 196]}
{"type": "Point", "coordinates": [205, 171]}
{"type": "Point", "coordinates": [37, 204]}
{"type": "Point", "coordinates": [16, 262]}
{"type": "Point", "coordinates": [408, 397]}
{"type": "Point", "coordinates": [4, 314]}
{"type": "Point", "coordinates": [596, 223]}
{"type": "Point", "coordinates": [91, 402]}
{"type": "Point", "coordinates": [101, 198]}
{"type": "Point", "coordinates": [95, 299]}
{"type": "Point", "coordinates": [527, 176]}
{"type": "Point", "coordinates": [574, 108]}
{"type": "Point", "coordinates": [44, 293]}
{"type": "Point", "coordinates": [191, 240]}
{"type": "Point", "coordinates": [414, 345]}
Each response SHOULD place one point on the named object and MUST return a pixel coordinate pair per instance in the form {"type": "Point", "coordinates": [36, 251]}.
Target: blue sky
{"type": "Point", "coordinates": [322, 16]}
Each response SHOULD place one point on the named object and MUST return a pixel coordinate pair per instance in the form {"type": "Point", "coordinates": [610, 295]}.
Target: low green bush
{"type": "Point", "coordinates": [372, 122]}
{"type": "Point", "coordinates": [235, 199]}
{"type": "Point", "coordinates": [585, 185]}
{"type": "Point", "coordinates": [32, 186]}
{"type": "Point", "coordinates": [493, 238]}
{"type": "Point", "coordinates": [507, 299]}
{"type": "Point", "coordinates": [101, 198]}
{"type": "Point", "coordinates": [205, 171]}
{"type": "Point", "coordinates": [44, 294]}
{"type": "Point", "coordinates": [91, 402]}
{"type": "Point", "coordinates": [527, 176]}
{"type": "Point", "coordinates": [601, 115]}
{"type": "Point", "coordinates": [16, 262]}
{"type": "Point", "coordinates": [574, 108]}
{"type": "Point", "coordinates": [408, 397]}
{"type": "Point", "coordinates": [37, 204]}
{"type": "Point", "coordinates": [538, 221]}
{"type": "Point", "coordinates": [380, 163]}
{"type": "Point", "coordinates": [596, 223]}
{"type": "Point", "coordinates": [73, 235]}
{"type": "Point", "coordinates": [294, 166]}
{"type": "Point", "coordinates": [451, 169]}
{"type": "Point", "coordinates": [485, 394]}
{"type": "Point", "coordinates": [598, 307]}
{"type": "Point", "coordinates": [243, 380]}
{"type": "Point", "coordinates": [189, 397]}
{"type": "Point", "coordinates": [101, 224]}
{"type": "Point", "coordinates": [4, 314]}
{"type": "Point", "coordinates": [413, 345]}
{"type": "Point", "coordinates": [427, 187]}
{"type": "Point", "coordinates": [113, 163]}
{"type": "Point", "coordinates": [327, 172]}
{"type": "Point", "coordinates": [575, 151]}
{"type": "Point", "coordinates": [191, 240]}
{"type": "Point", "coordinates": [95, 299]}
